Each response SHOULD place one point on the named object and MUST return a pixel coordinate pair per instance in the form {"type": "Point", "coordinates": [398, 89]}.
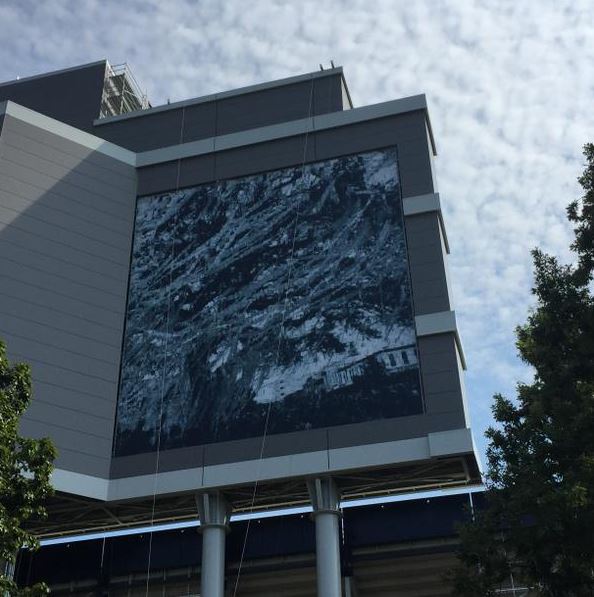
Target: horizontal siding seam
{"type": "Point", "coordinates": [52, 191]}
{"type": "Point", "coordinates": [32, 267]}
{"type": "Point", "coordinates": [68, 296]}
{"type": "Point", "coordinates": [92, 153]}
{"type": "Point", "coordinates": [68, 333]}
{"type": "Point", "coordinates": [123, 249]}
{"type": "Point", "coordinates": [33, 203]}
{"type": "Point", "coordinates": [89, 159]}
{"type": "Point", "coordinates": [83, 237]}
{"type": "Point", "coordinates": [70, 314]}
{"type": "Point", "coordinates": [60, 348]}
{"type": "Point", "coordinates": [27, 418]}
{"type": "Point", "coordinates": [37, 380]}
{"type": "Point", "coordinates": [101, 459]}
{"type": "Point", "coordinates": [45, 401]}
{"type": "Point", "coordinates": [62, 181]}
{"type": "Point", "coordinates": [97, 455]}
{"type": "Point", "coordinates": [85, 268]}
{"type": "Point", "coordinates": [30, 360]}
{"type": "Point", "coordinates": [68, 169]}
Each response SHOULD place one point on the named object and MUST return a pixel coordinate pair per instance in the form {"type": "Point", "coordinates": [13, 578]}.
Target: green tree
{"type": "Point", "coordinates": [539, 519]}
{"type": "Point", "coordinates": [25, 470]}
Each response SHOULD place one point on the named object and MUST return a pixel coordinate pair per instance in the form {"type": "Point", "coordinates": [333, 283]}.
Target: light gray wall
{"type": "Point", "coordinates": [66, 222]}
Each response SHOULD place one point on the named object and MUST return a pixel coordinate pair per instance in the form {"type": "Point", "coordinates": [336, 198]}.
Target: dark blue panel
{"type": "Point", "coordinates": [141, 133]}
{"type": "Point", "coordinates": [72, 96]}
{"type": "Point", "coordinates": [172, 549]}
{"type": "Point", "coordinates": [269, 537]}
{"type": "Point", "coordinates": [404, 521]}
{"type": "Point", "coordinates": [281, 536]}
{"type": "Point", "coordinates": [60, 563]}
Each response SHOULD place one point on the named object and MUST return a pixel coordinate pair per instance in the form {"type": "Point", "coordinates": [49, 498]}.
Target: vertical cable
{"type": "Point", "coordinates": [279, 342]}
{"type": "Point", "coordinates": [164, 370]}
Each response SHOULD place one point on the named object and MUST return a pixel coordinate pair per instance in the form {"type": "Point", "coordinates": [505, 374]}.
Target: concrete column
{"type": "Point", "coordinates": [350, 589]}
{"type": "Point", "coordinates": [326, 513]}
{"type": "Point", "coordinates": [214, 512]}
{"type": "Point", "coordinates": [7, 568]}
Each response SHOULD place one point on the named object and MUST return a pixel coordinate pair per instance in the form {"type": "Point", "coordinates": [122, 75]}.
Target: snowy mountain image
{"type": "Point", "coordinates": [284, 292]}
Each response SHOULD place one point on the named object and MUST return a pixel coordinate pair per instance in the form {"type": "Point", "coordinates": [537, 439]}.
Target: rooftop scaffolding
{"type": "Point", "coordinates": [121, 92]}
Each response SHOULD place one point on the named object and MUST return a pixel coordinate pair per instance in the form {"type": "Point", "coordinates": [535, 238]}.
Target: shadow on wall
{"type": "Point", "coordinates": [66, 218]}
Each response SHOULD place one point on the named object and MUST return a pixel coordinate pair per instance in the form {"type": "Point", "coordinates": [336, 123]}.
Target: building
{"type": "Point", "coordinates": [179, 277]}
{"type": "Point", "coordinates": [393, 359]}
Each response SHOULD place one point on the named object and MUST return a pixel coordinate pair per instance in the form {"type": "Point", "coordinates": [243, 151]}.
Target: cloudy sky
{"type": "Point", "coordinates": [510, 87]}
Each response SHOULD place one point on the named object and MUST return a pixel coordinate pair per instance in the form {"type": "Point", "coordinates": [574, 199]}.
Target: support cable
{"type": "Point", "coordinates": [164, 370]}
{"type": "Point", "coordinates": [279, 342]}
{"type": "Point", "coordinates": [278, 347]}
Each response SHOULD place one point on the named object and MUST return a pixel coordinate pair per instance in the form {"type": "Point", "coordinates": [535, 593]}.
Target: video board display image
{"type": "Point", "coordinates": [285, 291]}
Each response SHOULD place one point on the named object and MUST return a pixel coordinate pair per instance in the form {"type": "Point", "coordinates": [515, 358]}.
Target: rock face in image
{"type": "Point", "coordinates": [285, 292]}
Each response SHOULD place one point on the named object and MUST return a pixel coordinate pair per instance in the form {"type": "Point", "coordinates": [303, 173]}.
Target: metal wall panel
{"type": "Point", "coordinates": [21, 132]}
{"type": "Point", "coordinates": [72, 96]}
{"type": "Point", "coordinates": [407, 131]}
{"type": "Point", "coordinates": [264, 156]}
{"type": "Point", "coordinates": [227, 114]}
{"type": "Point", "coordinates": [441, 376]}
{"type": "Point", "coordinates": [144, 132]}
{"type": "Point", "coordinates": [386, 430]}
{"type": "Point", "coordinates": [439, 366]}
{"type": "Point", "coordinates": [66, 221]}
{"type": "Point", "coordinates": [428, 275]}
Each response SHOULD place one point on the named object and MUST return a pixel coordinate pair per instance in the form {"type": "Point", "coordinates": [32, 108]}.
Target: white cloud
{"type": "Point", "coordinates": [509, 85]}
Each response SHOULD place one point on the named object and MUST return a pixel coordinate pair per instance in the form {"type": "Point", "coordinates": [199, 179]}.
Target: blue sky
{"type": "Point", "coordinates": [510, 88]}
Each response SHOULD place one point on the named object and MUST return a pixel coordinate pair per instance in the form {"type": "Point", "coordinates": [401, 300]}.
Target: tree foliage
{"type": "Point", "coordinates": [539, 518]}
{"type": "Point", "coordinates": [25, 470]}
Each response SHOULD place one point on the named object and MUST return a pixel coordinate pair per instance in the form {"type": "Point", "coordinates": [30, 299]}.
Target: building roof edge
{"type": "Point", "coordinates": [52, 73]}
{"type": "Point", "coordinates": [222, 95]}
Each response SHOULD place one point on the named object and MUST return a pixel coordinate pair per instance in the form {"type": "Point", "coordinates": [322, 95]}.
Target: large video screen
{"type": "Point", "coordinates": [279, 299]}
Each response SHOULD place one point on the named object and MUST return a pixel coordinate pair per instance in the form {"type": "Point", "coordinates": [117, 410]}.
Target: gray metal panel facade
{"type": "Point", "coordinates": [437, 354]}
{"type": "Point", "coordinates": [66, 221]}
{"type": "Point", "coordinates": [201, 120]}
{"type": "Point", "coordinates": [407, 131]}
{"type": "Point", "coordinates": [440, 373]}
{"type": "Point", "coordinates": [425, 253]}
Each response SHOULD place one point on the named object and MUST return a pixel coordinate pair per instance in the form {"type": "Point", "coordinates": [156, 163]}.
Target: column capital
{"type": "Point", "coordinates": [324, 495]}
{"type": "Point", "coordinates": [213, 510]}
